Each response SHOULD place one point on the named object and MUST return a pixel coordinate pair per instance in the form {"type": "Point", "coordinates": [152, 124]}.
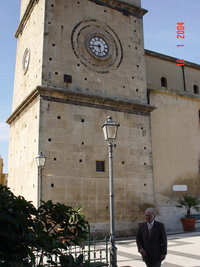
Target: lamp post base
{"type": "Point", "coordinates": [113, 254]}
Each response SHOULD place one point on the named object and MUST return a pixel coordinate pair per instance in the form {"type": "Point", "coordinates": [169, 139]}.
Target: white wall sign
{"type": "Point", "coordinates": [180, 187]}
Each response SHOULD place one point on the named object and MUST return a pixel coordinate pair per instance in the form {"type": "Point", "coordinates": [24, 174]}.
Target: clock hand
{"type": "Point", "coordinates": [94, 45]}
{"type": "Point", "coordinates": [99, 46]}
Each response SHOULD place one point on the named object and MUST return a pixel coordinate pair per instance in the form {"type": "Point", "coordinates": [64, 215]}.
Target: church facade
{"type": "Point", "coordinates": [78, 62]}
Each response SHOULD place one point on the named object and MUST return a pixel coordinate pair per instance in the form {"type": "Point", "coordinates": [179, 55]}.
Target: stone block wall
{"type": "Point", "coordinates": [72, 140]}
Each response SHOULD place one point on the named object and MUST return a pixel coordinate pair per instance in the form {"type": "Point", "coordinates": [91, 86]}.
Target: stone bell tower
{"type": "Point", "coordinates": [78, 62]}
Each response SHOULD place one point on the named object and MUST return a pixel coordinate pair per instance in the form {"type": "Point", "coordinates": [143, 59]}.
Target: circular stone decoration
{"type": "Point", "coordinates": [97, 46]}
{"type": "Point", "coordinates": [25, 60]}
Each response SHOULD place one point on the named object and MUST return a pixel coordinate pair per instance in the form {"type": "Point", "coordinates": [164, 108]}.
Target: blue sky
{"type": "Point", "coordinates": [159, 35]}
{"type": "Point", "coordinates": [9, 18]}
{"type": "Point", "coordinates": [160, 27]}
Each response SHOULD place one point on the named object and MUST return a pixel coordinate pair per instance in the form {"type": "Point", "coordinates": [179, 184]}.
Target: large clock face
{"type": "Point", "coordinates": [98, 46]}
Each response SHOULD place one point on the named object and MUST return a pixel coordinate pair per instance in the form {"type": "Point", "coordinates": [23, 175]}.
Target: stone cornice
{"type": "Point", "coordinates": [26, 16]}
{"type": "Point", "coordinates": [125, 8]}
{"type": "Point", "coordinates": [32, 96]}
{"type": "Point", "coordinates": [82, 99]}
{"type": "Point", "coordinates": [175, 93]}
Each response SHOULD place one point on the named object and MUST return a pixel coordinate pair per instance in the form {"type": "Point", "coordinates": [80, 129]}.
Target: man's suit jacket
{"type": "Point", "coordinates": [154, 243]}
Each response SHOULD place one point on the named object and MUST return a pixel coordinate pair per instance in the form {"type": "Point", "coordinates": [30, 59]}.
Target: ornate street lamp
{"type": "Point", "coordinates": [110, 128]}
{"type": "Point", "coordinates": [40, 159]}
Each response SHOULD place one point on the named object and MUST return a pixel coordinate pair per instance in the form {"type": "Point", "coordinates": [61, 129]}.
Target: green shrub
{"type": "Point", "coordinates": [25, 230]}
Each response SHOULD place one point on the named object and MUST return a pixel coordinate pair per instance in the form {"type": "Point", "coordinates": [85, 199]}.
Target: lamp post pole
{"type": "Point", "coordinates": [40, 159]}
{"type": "Point", "coordinates": [113, 249]}
{"type": "Point", "coordinates": [39, 186]}
{"type": "Point", "coordinates": [110, 128]}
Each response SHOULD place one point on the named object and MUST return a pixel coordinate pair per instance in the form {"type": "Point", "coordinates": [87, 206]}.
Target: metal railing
{"type": "Point", "coordinates": [93, 251]}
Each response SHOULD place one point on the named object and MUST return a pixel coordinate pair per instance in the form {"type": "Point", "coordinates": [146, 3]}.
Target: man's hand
{"type": "Point", "coordinates": [143, 252]}
{"type": "Point", "coordinates": [162, 257]}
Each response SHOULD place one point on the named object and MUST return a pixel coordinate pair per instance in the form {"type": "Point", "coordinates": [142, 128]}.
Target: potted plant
{"type": "Point", "coordinates": [188, 202]}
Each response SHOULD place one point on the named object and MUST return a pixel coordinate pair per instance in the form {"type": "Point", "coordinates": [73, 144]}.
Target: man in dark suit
{"type": "Point", "coordinates": [152, 240]}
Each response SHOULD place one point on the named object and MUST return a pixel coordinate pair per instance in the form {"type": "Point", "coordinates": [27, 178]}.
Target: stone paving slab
{"type": "Point", "coordinates": [183, 251]}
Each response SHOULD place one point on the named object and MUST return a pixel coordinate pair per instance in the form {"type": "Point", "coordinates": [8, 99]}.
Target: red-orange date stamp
{"type": "Point", "coordinates": [180, 34]}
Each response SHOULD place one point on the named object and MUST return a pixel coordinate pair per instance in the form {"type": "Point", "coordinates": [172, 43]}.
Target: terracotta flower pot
{"type": "Point", "coordinates": [188, 224]}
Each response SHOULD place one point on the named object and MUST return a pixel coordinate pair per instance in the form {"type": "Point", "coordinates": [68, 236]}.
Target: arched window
{"type": "Point", "coordinates": [196, 89]}
{"type": "Point", "coordinates": [163, 82]}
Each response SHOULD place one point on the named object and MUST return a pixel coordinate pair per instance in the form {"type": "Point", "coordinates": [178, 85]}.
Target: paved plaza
{"type": "Point", "coordinates": [183, 251]}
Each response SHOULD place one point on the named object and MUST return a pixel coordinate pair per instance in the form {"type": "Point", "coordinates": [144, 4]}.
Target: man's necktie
{"type": "Point", "coordinates": [150, 226]}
